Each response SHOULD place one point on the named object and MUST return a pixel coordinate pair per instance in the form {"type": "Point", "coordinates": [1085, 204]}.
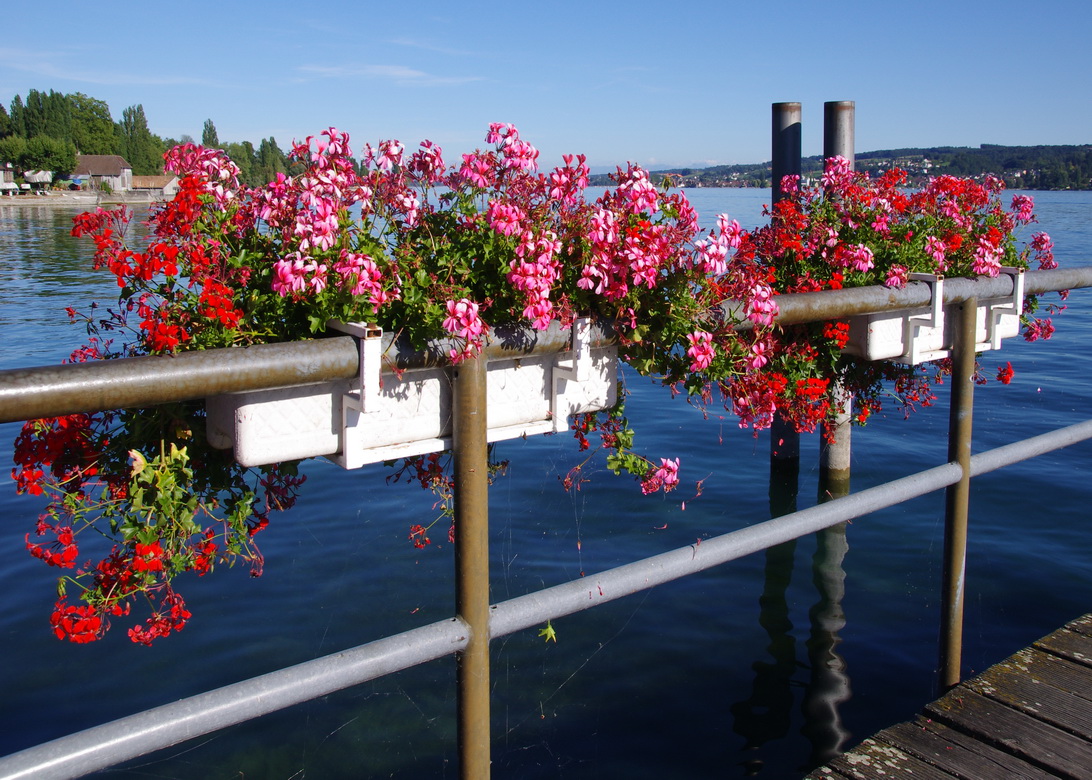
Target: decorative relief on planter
{"type": "Point", "coordinates": [914, 336]}
{"type": "Point", "coordinates": [370, 420]}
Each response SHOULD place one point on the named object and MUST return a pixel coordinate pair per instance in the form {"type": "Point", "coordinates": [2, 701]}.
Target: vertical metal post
{"type": "Point", "coordinates": [784, 440]}
{"type": "Point", "coordinates": [471, 452]}
{"type": "Point", "coordinates": [834, 458]}
{"type": "Point", "coordinates": [957, 496]}
{"type": "Point", "coordinates": [839, 132]}
{"type": "Point", "coordinates": [785, 161]}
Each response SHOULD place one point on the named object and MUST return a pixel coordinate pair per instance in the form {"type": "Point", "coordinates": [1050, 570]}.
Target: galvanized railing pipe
{"type": "Point", "coordinates": [549, 604]}
{"type": "Point", "coordinates": [957, 497]}
{"type": "Point", "coordinates": [471, 491]}
{"type": "Point", "coordinates": [535, 608]}
{"type": "Point", "coordinates": [1025, 449]}
{"type": "Point", "coordinates": [137, 735]}
{"type": "Point", "coordinates": [1038, 282]}
{"type": "Point", "coordinates": [170, 724]}
{"type": "Point", "coordinates": [799, 308]}
{"type": "Point", "coordinates": [51, 391]}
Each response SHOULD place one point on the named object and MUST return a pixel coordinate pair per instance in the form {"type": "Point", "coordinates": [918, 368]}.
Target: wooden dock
{"type": "Point", "coordinates": [1029, 716]}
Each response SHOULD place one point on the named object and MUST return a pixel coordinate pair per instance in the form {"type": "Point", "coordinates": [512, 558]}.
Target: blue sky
{"type": "Point", "coordinates": [676, 83]}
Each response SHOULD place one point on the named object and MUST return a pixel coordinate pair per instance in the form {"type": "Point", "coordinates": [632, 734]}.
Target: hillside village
{"type": "Point", "coordinates": [1020, 167]}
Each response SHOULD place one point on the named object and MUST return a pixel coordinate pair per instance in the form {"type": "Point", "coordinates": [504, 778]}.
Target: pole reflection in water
{"type": "Point", "coordinates": [828, 686]}
{"type": "Point", "coordinates": [829, 683]}
{"type": "Point", "coordinates": [766, 715]}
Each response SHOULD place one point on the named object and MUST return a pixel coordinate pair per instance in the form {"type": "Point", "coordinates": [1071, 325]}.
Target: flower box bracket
{"type": "Point", "coordinates": [914, 336]}
{"type": "Point", "coordinates": [1005, 313]}
{"type": "Point", "coordinates": [930, 322]}
{"type": "Point", "coordinates": [369, 339]}
{"type": "Point", "coordinates": [575, 369]}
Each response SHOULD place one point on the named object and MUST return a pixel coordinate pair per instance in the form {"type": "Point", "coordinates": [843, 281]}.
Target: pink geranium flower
{"type": "Point", "coordinates": [701, 350]}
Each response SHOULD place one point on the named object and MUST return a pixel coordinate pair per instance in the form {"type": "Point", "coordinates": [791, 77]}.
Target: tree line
{"type": "Point", "coordinates": [46, 131]}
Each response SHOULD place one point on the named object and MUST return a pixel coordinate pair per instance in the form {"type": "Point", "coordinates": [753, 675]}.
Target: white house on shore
{"type": "Point", "coordinates": [109, 169]}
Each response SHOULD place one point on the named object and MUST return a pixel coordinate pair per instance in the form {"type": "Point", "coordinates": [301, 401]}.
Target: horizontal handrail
{"type": "Point", "coordinates": [52, 391]}
{"type": "Point", "coordinates": [170, 724]}
{"type": "Point", "coordinates": [98, 385]}
{"type": "Point", "coordinates": [798, 308]}
{"type": "Point", "coordinates": [136, 735]}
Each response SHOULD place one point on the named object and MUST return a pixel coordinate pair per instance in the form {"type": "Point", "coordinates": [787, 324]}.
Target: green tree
{"type": "Point", "coordinates": [161, 145]}
{"type": "Point", "coordinates": [209, 138]}
{"type": "Point", "coordinates": [92, 126]}
{"type": "Point", "coordinates": [18, 126]}
{"type": "Point", "coordinates": [58, 116]}
{"type": "Point", "coordinates": [47, 115]}
{"type": "Point", "coordinates": [139, 147]}
{"type": "Point", "coordinates": [12, 149]}
{"type": "Point", "coordinates": [34, 121]}
{"type": "Point", "coordinates": [46, 153]}
{"type": "Point", "coordinates": [270, 161]}
{"type": "Point", "coordinates": [5, 123]}
{"type": "Point", "coordinates": [243, 155]}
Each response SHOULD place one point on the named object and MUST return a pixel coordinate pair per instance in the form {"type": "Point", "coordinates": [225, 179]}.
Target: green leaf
{"type": "Point", "coordinates": [548, 632]}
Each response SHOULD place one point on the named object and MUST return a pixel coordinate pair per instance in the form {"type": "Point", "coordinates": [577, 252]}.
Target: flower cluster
{"type": "Point", "coordinates": [849, 230]}
{"type": "Point", "coordinates": [399, 239]}
{"type": "Point", "coordinates": [435, 251]}
{"type": "Point", "coordinates": [150, 518]}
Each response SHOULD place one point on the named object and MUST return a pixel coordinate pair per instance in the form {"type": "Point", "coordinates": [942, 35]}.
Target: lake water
{"type": "Point", "coordinates": [712, 676]}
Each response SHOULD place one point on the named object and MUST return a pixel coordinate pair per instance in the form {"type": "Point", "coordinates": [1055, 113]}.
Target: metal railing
{"type": "Point", "coordinates": [111, 743]}
{"type": "Point", "coordinates": [51, 391]}
{"type": "Point", "coordinates": [35, 392]}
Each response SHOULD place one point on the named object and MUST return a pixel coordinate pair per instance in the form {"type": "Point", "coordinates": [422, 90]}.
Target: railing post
{"type": "Point", "coordinates": [957, 496]}
{"type": "Point", "coordinates": [471, 452]}
{"type": "Point", "coordinates": [785, 161]}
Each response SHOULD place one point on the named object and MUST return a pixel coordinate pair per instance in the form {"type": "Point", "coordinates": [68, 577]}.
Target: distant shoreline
{"type": "Point", "coordinates": [81, 199]}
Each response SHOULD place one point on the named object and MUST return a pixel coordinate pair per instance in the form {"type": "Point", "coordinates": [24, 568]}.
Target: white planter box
{"type": "Point", "coordinates": [914, 336]}
{"type": "Point", "coordinates": [356, 422]}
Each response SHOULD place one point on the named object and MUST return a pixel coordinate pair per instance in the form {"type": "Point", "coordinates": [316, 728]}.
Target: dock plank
{"type": "Point", "coordinates": [873, 759]}
{"type": "Point", "coordinates": [1013, 731]}
{"type": "Point", "coordinates": [1029, 716]}
{"type": "Point", "coordinates": [1073, 645]}
{"type": "Point", "coordinates": [959, 754]}
{"type": "Point", "coordinates": [1082, 625]}
{"type": "Point", "coordinates": [1044, 687]}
